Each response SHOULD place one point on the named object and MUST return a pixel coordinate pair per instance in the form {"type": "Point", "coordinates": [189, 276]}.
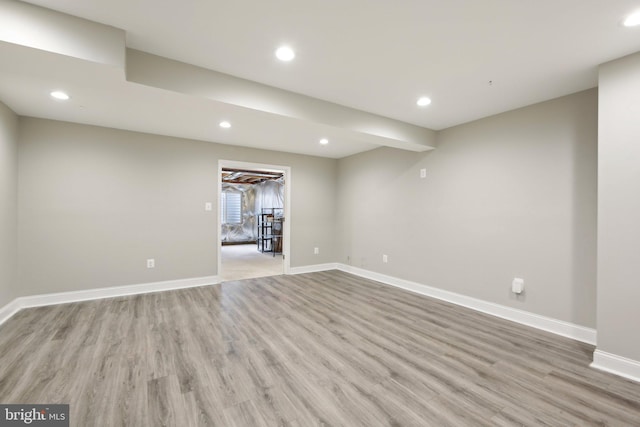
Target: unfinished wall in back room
{"type": "Point", "coordinates": [255, 197]}
{"type": "Point", "coordinates": [245, 231]}
{"type": "Point", "coordinates": [269, 194]}
{"type": "Point", "coordinates": [8, 204]}
{"type": "Point", "coordinates": [512, 195]}
{"type": "Point", "coordinates": [95, 203]}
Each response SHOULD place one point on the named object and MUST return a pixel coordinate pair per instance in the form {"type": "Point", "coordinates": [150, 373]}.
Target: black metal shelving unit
{"type": "Point", "coordinates": [270, 221]}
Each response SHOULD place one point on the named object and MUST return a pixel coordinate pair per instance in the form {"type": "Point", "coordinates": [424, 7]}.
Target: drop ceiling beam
{"type": "Point", "coordinates": [44, 29]}
{"type": "Point", "coordinates": [164, 73]}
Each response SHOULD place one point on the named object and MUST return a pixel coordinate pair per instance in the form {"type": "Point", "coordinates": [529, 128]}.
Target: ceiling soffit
{"type": "Point", "coordinates": [104, 46]}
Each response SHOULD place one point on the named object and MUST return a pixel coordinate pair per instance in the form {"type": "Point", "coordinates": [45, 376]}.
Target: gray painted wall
{"type": "Point", "coordinates": [512, 195]}
{"type": "Point", "coordinates": [619, 208]}
{"type": "Point", "coordinates": [8, 203]}
{"type": "Point", "coordinates": [506, 196]}
{"type": "Point", "coordinates": [95, 203]}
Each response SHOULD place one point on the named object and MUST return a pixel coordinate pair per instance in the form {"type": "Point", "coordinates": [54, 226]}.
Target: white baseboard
{"type": "Point", "coordinates": [617, 365]}
{"type": "Point", "coordinates": [313, 268]}
{"type": "Point", "coordinates": [90, 294]}
{"type": "Point", "coordinates": [558, 327]}
{"type": "Point", "coordinates": [9, 310]}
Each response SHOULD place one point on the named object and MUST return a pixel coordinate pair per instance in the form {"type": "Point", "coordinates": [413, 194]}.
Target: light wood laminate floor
{"type": "Point", "coordinates": [316, 349]}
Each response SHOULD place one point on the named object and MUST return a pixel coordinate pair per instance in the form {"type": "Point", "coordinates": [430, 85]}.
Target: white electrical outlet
{"type": "Point", "coordinates": [517, 286]}
{"type": "Point", "coordinates": [208, 206]}
{"type": "Point", "coordinates": [316, 251]}
{"type": "Point", "coordinates": [423, 173]}
{"type": "Point", "coordinates": [151, 263]}
{"type": "Point", "coordinates": [385, 258]}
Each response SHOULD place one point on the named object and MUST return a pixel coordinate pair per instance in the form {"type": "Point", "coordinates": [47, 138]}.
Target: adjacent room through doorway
{"type": "Point", "coordinates": [251, 223]}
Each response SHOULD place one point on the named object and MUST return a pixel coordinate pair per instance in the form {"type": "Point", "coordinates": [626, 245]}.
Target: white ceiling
{"type": "Point", "coordinates": [373, 55]}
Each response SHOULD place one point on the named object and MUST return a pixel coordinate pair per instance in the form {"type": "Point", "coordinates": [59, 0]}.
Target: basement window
{"type": "Point", "coordinates": [231, 207]}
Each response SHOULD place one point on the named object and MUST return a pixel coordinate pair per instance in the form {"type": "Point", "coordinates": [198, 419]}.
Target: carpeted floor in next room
{"type": "Point", "coordinates": [246, 262]}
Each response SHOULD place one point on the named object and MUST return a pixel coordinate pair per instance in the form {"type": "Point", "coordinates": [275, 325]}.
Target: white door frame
{"type": "Point", "coordinates": [286, 170]}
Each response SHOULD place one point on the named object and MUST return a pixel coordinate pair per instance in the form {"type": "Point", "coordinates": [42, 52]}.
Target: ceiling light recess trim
{"type": "Point", "coordinates": [225, 124]}
{"type": "Point", "coordinates": [632, 20]}
{"type": "Point", "coordinates": [60, 95]}
{"type": "Point", "coordinates": [285, 53]}
{"type": "Point", "coordinates": [324, 141]}
{"type": "Point", "coordinates": [423, 101]}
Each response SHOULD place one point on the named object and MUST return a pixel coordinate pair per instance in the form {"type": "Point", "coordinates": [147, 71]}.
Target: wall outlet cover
{"type": "Point", "coordinates": [517, 286]}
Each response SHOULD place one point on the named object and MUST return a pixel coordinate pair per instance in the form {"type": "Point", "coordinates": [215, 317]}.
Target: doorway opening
{"type": "Point", "coordinates": [253, 220]}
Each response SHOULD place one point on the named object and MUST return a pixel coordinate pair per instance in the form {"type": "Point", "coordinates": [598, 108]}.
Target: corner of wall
{"type": "Point", "coordinates": [8, 203]}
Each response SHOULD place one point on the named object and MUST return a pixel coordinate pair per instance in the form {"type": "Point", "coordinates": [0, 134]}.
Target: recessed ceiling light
{"type": "Point", "coordinates": [632, 20]}
{"type": "Point", "coordinates": [423, 101]}
{"type": "Point", "coordinates": [324, 141]}
{"type": "Point", "coordinates": [285, 53]}
{"type": "Point", "coordinates": [58, 94]}
{"type": "Point", "coordinates": [225, 124]}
